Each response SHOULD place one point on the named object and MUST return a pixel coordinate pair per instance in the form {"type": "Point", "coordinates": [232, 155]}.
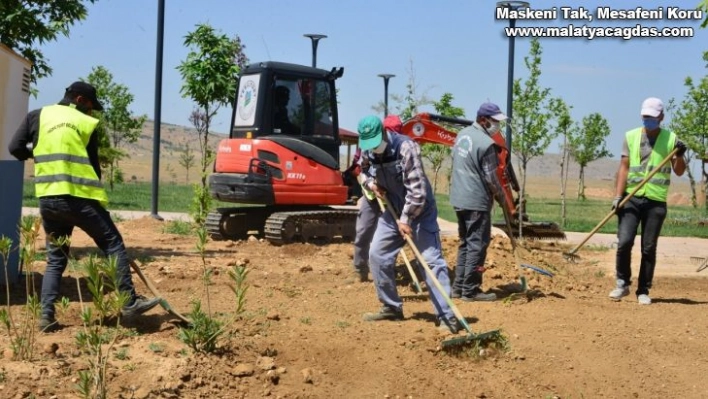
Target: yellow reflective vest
{"type": "Point", "coordinates": [61, 162]}
{"type": "Point", "coordinates": [657, 188]}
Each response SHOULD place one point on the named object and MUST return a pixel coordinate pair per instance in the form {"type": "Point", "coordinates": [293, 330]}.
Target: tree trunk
{"type": "Point", "coordinates": [564, 179]}
{"type": "Point", "coordinates": [581, 183]}
{"type": "Point", "coordinates": [435, 180]}
{"type": "Point", "coordinates": [111, 171]}
{"type": "Point", "coordinates": [705, 184]}
{"type": "Point", "coordinates": [522, 193]}
{"type": "Point", "coordinates": [692, 184]}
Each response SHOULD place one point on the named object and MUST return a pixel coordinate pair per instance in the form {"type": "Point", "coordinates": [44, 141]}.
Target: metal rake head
{"type": "Point", "coordinates": [701, 262]}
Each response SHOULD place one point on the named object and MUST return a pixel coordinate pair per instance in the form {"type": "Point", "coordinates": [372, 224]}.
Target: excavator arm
{"type": "Point", "coordinates": [426, 128]}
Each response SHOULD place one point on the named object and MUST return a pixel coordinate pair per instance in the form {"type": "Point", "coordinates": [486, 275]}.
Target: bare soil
{"type": "Point", "coordinates": [302, 335]}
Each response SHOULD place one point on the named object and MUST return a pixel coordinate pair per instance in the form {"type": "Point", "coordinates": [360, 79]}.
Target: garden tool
{"type": "Point", "coordinates": [405, 257]}
{"type": "Point", "coordinates": [163, 302]}
{"type": "Point", "coordinates": [454, 343]}
{"type": "Point", "coordinates": [701, 262]}
{"type": "Point", "coordinates": [572, 255]}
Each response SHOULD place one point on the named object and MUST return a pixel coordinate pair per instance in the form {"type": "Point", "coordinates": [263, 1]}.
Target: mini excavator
{"type": "Point", "coordinates": [426, 128]}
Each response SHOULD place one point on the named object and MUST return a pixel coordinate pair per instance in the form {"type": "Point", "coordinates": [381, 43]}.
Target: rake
{"type": "Point", "coordinates": [163, 302]}
{"type": "Point", "coordinates": [572, 255]}
{"type": "Point", "coordinates": [454, 343]}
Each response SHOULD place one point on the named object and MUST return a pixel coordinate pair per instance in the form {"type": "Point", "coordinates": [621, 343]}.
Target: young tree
{"type": "Point", "coordinates": [531, 115]}
{"type": "Point", "coordinates": [703, 5]}
{"type": "Point", "coordinates": [567, 128]}
{"type": "Point", "coordinates": [120, 126]}
{"type": "Point", "coordinates": [186, 160]}
{"type": "Point", "coordinates": [436, 154]}
{"type": "Point", "coordinates": [210, 76]}
{"type": "Point", "coordinates": [26, 25]}
{"type": "Point", "coordinates": [406, 105]}
{"type": "Point", "coordinates": [691, 125]}
{"type": "Point", "coordinates": [589, 145]}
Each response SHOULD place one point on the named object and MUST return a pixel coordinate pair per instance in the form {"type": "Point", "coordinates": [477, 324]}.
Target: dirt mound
{"type": "Point", "coordinates": [302, 334]}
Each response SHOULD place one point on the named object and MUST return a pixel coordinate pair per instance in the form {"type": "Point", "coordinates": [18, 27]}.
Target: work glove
{"type": "Point", "coordinates": [615, 202]}
{"type": "Point", "coordinates": [681, 147]}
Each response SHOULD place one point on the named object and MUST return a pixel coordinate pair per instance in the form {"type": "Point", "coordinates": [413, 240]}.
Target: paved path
{"type": "Point", "coordinates": [673, 254]}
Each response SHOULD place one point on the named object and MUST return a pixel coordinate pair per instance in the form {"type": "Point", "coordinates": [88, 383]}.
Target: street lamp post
{"type": "Point", "coordinates": [386, 77]}
{"type": "Point", "coordinates": [315, 38]}
{"type": "Point", "coordinates": [512, 6]}
{"type": "Point", "coordinates": [158, 108]}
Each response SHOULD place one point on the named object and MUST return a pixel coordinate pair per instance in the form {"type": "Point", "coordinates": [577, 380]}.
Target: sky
{"type": "Point", "coordinates": [452, 46]}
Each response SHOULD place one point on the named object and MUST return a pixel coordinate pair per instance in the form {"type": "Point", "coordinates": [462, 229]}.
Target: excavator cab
{"type": "Point", "coordinates": [283, 153]}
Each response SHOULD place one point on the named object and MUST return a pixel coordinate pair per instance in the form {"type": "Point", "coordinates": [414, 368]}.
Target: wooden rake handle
{"type": "Point", "coordinates": [625, 200]}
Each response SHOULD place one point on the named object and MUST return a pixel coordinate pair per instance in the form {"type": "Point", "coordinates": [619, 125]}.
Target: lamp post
{"type": "Point", "coordinates": [512, 6]}
{"type": "Point", "coordinates": [386, 77]}
{"type": "Point", "coordinates": [158, 108]}
{"type": "Point", "coordinates": [315, 38]}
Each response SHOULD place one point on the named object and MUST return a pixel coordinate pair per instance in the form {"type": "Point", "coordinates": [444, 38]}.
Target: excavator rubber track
{"type": "Point", "coordinates": [534, 230]}
{"type": "Point", "coordinates": [320, 226]}
{"type": "Point", "coordinates": [236, 223]}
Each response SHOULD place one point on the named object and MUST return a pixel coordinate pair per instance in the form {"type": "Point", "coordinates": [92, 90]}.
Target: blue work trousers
{"type": "Point", "coordinates": [650, 215]}
{"type": "Point", "coordinates": [60, 215]}
{"type": "Point", "coordinates": [386, 244]}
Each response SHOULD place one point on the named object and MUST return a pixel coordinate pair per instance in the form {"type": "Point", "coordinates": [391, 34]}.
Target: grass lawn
{"type": "Point", "coordinates": [582, 216]}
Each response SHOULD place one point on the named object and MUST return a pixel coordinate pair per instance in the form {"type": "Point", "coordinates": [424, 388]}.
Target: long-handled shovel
{"type": "Point", "coordinates": [572, 255]}
{"type": "Point", "coordinates": [471, 337]}
{"type": "Point", "coordinates": [405, 257]}
{"type": "Point", "coordinates": [163, 302]}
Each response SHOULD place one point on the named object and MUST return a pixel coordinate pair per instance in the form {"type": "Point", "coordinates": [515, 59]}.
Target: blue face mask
{"type": "Point", "coordinates": [650, 123]}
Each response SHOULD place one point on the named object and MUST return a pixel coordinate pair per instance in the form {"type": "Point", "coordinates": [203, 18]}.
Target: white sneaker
{"type": "Point", "coordinates": [618, 293]}
{"type": "Point", "coordinates": [644, 299]}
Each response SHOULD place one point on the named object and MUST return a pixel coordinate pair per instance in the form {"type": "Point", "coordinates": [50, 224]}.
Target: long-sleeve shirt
{"type": "Point", "coordinates": [28, 132]}
{"type": "Point", "coordinates": [414, 180]}
{"type": "Point", "coordinates": [490, 163]}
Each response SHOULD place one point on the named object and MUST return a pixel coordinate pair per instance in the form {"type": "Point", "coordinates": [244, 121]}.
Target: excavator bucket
{"type": "Point", "coordinates": [533, 230]}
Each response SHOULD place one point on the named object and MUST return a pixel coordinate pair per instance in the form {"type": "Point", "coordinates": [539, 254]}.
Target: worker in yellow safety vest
{"type": "Point", "coordinates": [643, 150]}
{"type": "Point", "coordinates": [67, 176]}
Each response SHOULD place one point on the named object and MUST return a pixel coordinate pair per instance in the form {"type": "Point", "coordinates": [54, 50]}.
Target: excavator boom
{"type": "Point", "coordinates": [426, 128]}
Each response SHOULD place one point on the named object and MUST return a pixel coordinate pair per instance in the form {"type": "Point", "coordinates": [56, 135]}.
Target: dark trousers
{"type": "Point", "coordinates": [650, 215]}
{"type": "Point", "coordinates": [59, 217]}
{"type": "Point", "coordinates": [366, 220]}
{"type": "Point", "coordinates": [475, 232]}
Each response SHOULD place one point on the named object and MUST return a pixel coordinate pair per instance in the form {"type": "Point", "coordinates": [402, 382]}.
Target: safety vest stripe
{"type": "Point", "coordinates": [62, 157]}
{"type": "Point", "coordinates": [653, 180]}
{"type": "Point", "coordinates": [63, 177]}
{"type": "Point", "coordinates": [640, 169]}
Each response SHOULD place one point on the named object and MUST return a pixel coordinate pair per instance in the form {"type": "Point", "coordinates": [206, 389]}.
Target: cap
{"type": "Point", "coordinates": [393, 123]}
{"type": "Point", "coordinates": [653, 107]}
{"type": "Point", "coordinates": [491, 110]}
{"type": "Point", "coordinates": [370, 132]}
{"type": "Point", "coordinates": [86, 90]}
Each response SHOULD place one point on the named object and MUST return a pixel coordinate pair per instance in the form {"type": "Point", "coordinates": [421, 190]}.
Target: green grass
{"type": "Point", "coordinates": [583, 216]}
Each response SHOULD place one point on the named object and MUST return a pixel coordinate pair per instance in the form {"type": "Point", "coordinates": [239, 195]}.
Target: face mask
{"type": "Point", "coordinates": [493, 127]}
{"type": "Point", "coordinates": [650, 123]}
{"type": "Point", "coordinates": [381, 148]}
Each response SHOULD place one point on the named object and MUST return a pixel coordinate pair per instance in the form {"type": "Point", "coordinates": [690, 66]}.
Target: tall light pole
{"type": "Point", "coordinates": [315, 38]}
{"type": "Point", "coordinates": [158, 108]}
{"type": "Point", "coordinates": [386, 77]}
{"type": "Point", "coordinates": [512, 6]}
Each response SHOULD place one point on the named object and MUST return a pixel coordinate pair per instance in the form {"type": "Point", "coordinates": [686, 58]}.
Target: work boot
{"type": "Point", "coordinates": [139, 306]}
{"type": "Point", "coordinates": [47, 324]}
{"type": "Point", "coordinates": [456, 294]}
{"type": "Point", "coordinates": [450, 326]}
{"type": "Point", "coordinates": [386, 313]}
{"type": "Point", "coordinates": [480, 297]}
